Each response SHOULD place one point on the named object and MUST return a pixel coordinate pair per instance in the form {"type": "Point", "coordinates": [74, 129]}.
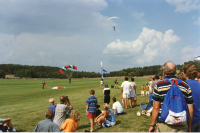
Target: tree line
{"type": "Point", "coordinates": [53, 72]}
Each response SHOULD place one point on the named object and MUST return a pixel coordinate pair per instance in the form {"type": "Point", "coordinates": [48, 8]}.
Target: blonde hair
{"type": "Point", "coordinates": [51, 100]}
{"type": "Point", "coordinates": [151, 91]}
{"type": "Point", "coordinates": [105, 106]}
{"type": "Point", "coordinates": [75, 115]}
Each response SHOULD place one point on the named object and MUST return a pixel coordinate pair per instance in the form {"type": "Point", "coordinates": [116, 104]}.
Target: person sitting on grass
{"type": "Point", "coordinates": [70, 125]}
{"type": "Point", "coordinates": [5, 124]}
{"type": "Point", "coordinates": [107, 118]}
{"type": "Point", "coordinates": [47, 125]}
{"type": "Point", "coordinates": [117, 107]}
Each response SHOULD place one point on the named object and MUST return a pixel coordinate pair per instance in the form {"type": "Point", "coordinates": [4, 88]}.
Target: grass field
{"type": "Point", "coordinates": [25, 102]}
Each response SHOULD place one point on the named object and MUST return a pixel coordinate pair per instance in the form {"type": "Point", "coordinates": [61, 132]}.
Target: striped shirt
{"type": "Point", "coordinates": [162, 87]}
{"type": "Point", "coordinates": [92, 102]}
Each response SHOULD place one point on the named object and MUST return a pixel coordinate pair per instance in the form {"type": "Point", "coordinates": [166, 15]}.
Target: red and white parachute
{"type": "Point", "coordinates": [63, 69]}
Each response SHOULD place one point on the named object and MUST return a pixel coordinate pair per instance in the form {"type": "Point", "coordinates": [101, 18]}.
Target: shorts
{"type": "Point", "coordinates": [147, 92]}
{"type": "Point", "coordinates": [91, 115]}
{"type": "Point", "coordinates": [142, 92]}
{"type": "Point", "coordinates": [126, 95]}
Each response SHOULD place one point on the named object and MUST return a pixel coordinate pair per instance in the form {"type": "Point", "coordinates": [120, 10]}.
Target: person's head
{"type": "Point", "coordinates": [126, 78]}
{"type": "Point", "coordinates": [191, 71]}
{"type": "Point", "coordinates": [169, 69]}
{"type": "Point", "coordinates": [49, 114]}
{"type": "Point", "coordinates": [180, 76]}
{"type": "Point", "coordinates": [114, 99]}
{"type": "Point", "coordinates": [105, 106]}
{"type": "Point", "coordinates": [151, 91]}
{"type": "Point", "coordinates": [75, 115]}
{"type": "Point", "coordinates": [156, 76]}
{"type": "Point", "coordinates": [153, 79]}
{"type": "Point", "coordinates": [92, 92]}
{"type": "Point", "coordinates": [106, 85]}
{"type": "Point", "coordinates": [63, 98]}
{"type": "Point", "coordinates": [132, 79]}
{"type": "Point", "coordinates": [51, 100]}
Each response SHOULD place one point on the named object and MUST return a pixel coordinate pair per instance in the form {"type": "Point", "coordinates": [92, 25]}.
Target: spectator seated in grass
{"type": "Point", "coordinates": [70, 125]}
{"type": "Point", "coordinates": [117, 107]}
{"type": "Point", "coordinates": [47, 125]}
{"type": "Point", "coordinates": [52, 105]}
{"type": "Point", "coordinates": [107, 118]}
{"type": "Point", "coordinates": [5, 124]}
{"type": "Point", "coordinates": [61, 110]}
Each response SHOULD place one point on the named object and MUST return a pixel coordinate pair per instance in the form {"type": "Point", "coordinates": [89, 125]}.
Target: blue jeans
{"type": "Point", "coordinates": [108, 123]}
{"type": "Point", "coordinates": [196, 127]}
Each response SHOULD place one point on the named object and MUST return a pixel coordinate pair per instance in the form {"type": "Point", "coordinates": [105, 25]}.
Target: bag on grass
{"type": "Point", "coordinates": [174, 109]}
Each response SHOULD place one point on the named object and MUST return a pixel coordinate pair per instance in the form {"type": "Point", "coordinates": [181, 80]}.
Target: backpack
{"type": "Point", "coordinates": [174, 109]}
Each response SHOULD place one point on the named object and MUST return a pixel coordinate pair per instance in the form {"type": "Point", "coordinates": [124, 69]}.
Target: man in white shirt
{"type": "Point", "coordinates": [117, 107]}
{"type": "Point", "coordinates": [126, 88]}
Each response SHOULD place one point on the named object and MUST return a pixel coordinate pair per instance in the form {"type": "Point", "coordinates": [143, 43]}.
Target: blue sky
{"type": "Point", "coordinates": [75, 32]}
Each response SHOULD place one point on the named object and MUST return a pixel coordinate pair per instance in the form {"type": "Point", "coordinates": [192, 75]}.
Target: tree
{"type": "Point", "coordinates": [2, 73]}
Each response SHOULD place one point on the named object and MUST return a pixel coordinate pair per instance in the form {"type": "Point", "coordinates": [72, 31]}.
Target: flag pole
{"type": "Point", "coordinates": [101, 71]}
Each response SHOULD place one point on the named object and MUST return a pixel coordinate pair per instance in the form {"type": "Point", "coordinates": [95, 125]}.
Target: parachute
{"type": "Point", "coordinates": [112, 18]}
{"type": "Point", "coordinates": [197, 59]}
{"type": "Point", "coordinates": [63, 69]}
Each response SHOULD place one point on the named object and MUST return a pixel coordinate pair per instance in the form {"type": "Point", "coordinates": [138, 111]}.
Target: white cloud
{"type": "Point", "coordinates": [138, 15]}
{"type": "Point", "coordinates": [189, 52]}
{"type": "Point", "coordinates": [149, 45]}
{"type": "Point", "coordinates": [185, 5]}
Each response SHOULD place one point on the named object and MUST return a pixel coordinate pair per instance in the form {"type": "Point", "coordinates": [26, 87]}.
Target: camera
{"type": "Point", "coordinates": [66, 97]}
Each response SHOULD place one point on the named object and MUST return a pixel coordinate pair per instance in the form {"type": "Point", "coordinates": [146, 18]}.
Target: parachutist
{"type": "Point", "coordinates": [114, 28]}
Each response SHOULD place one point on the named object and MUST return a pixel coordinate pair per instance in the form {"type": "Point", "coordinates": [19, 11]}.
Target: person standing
{"type": "Point", "coordinates": [190, 73]}
{"type": "Point", "coordinates": [125, 91]}
{"type": "Point", "coordinates": [132, 95]}
{"type": "Point", "coordinates": [43, 83]}
{"type": "Point", "coordinates": [160, 91]}
{"type": "Point", "coordinates": [106, 92]}
{"type": "Point", "coordinates": [91, 109]}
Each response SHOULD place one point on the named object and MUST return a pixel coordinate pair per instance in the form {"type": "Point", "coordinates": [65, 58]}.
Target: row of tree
{"type": "Point", "coordinates": [53, 72]}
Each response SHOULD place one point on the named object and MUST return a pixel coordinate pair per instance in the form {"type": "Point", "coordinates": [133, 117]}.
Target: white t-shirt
{"type": "Point", "coordinates": [126, 87]}
{"type": "Point", "coordinates": [105, 89]}
{"type": "Point", "coordinates": [118, 107]}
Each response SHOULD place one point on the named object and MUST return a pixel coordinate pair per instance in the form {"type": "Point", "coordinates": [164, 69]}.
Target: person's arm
{"type": "Point", "coordinates": [87, 107]}
{"type": "Point", "coordinates": [156, 108]}
{"type": "Point", "coordinates": [69, 104]}
{"type": "Point", "coordinates": [190, 116]}
{"type": "Point", "coordinates": [131, 88]}
{"type": "Point", "coordinates": [115, 111]}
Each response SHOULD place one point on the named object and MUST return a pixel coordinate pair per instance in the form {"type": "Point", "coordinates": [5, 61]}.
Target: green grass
{"type": "Point", "coordinates": [25, 102]}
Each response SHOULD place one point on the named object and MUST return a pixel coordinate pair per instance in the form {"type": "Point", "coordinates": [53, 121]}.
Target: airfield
{"type": "Point", "coordinates": [25, 102]}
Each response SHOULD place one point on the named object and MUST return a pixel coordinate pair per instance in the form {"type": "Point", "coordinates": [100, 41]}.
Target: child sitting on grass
{"type": "Point", "coordinates": [70, 125]}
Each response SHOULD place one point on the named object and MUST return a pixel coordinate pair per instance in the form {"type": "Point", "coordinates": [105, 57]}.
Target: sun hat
{"type": "Point", "coordinates": [51, 100]}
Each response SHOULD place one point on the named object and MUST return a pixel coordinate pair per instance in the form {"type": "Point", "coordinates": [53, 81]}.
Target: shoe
{"type": "Point", "coordinates": [88, 124]}
{"type": "Point", "coordinates": [89, 130]}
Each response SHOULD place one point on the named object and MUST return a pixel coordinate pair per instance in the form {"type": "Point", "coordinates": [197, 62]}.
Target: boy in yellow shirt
{"type": "Point", "coordinates": [142, 90]}
{"type": "Point", "coordinates": [147, 89]}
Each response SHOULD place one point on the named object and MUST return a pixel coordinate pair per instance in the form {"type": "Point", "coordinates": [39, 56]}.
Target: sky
{"type": "Point", "coordinates": [76, 32]}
